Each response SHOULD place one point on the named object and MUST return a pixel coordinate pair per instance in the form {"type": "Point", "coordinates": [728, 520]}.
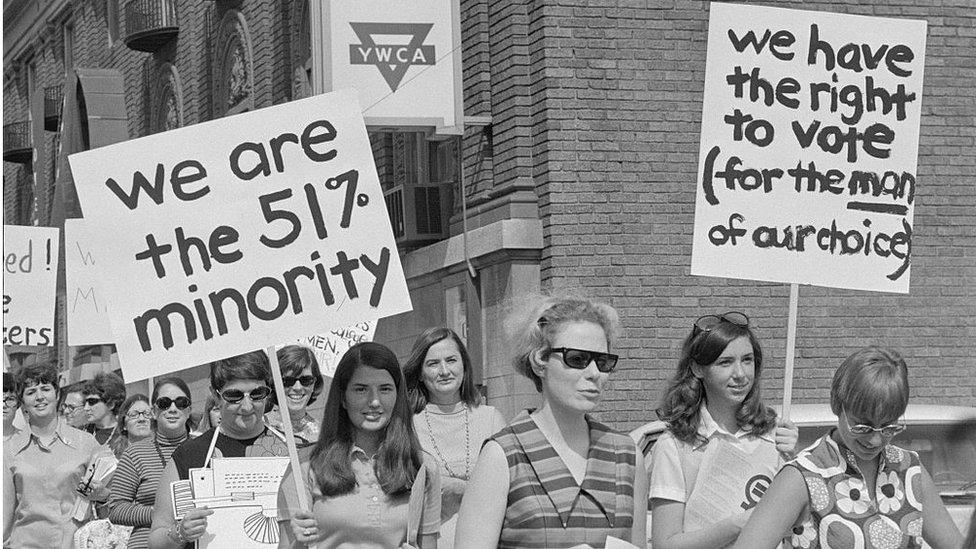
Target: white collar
{"type": "Point", "coordinates": [707, 427]}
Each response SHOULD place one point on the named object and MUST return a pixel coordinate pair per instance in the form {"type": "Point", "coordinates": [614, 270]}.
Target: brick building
{"type": "Point", "coordinates": [582, 124]}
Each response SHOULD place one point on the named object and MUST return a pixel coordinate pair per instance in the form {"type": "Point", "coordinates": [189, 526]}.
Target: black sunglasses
{"type": "Point", "coordinates": [708, 322]}
{"type": "Point", "coordinates": [306, 381]}
{"type": "Point", "coordinates": [579, 359]}
{"type": "Point", "coordinates": [163, 403]}
{"type": "Point", "coordinates": [233, 396]}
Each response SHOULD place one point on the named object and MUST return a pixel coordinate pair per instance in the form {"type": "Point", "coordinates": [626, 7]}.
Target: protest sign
{"type": "Point", "coordinates": [809, 147]}
{"type": "Point", "coordinates": [30, 271]}
{"type": "Point", "coordinates": [330, 346]}
{"type": "Point", "coordinates": [240, 233]}
{"type": "Point", "coordinates": [88, 321]}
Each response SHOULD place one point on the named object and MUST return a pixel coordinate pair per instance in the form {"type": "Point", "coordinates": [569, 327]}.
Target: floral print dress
{"type": "Point", "coordinates": [841, 514]}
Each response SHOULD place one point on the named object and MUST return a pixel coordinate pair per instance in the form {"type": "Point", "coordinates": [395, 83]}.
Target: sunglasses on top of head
{"type": "Point", "coordinates": [305, 381]}
{"type": "Point", "coordinates": [163, 403]}
{"type": "Point", "coordinates": [579, 359]}
{"type": "Point", "coordinates": [233, 396]}
{"type": "Point", "coordinates": [708, 323]}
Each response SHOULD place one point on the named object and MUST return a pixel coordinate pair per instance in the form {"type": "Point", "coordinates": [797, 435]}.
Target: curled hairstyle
{"type": "Point", "coordinates": [292, 359]}
{"type": "Point", "coordinates": [413, 369]}
{"type": "Point", "coordinates": [76, 387]}
{"type": "Point", "coordinates": [683, 399]}
{"type": "Point", "coordinates": [252, 366]}
{"type": "Point", "coordinates": [535, 327]}
{"type": "Point", "coordinates": [399, 454]}
{"type": "Point", "coordinates": [124, 409]}
{"type": "Point", "coordinates": [36, 374]}
{"type": "Point", "coordinates": [109, 387]}
{"type": "Point", "coordinates": [871, 385]}
{"type": "Point", "coordinates": [180, 384]}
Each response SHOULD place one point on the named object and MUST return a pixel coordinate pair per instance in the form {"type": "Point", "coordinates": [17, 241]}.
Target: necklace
{"type": "Point", "coordinates": [467, 445]}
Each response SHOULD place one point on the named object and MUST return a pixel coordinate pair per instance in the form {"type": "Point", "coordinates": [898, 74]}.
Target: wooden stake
{"type": "Point", "coordinates": [790, 351]}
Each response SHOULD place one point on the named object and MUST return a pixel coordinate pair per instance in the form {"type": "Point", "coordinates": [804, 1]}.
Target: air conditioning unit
{"type": "Point", "coordinates": [419, 214]}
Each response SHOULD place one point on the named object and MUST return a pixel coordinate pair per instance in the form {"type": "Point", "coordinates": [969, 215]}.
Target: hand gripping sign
{"type": "Point", "coordinates": [240, 233]}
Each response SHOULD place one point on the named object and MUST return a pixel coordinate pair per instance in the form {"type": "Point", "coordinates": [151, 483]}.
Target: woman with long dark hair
{"type": "Point", "coordinates": [133, 486]}
{"type": "Point", "coordinates": [366, 477]}
{"type": "Point", "coordinates": [451, 422]}
{"type": "Point", "coordinates": [715, 414]}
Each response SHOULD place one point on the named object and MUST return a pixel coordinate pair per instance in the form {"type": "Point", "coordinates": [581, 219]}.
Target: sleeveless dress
{"type": "Point", "coordinates": [547, 508]}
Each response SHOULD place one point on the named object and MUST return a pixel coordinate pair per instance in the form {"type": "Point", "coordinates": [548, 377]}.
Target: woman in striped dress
{"type": "Point", "coordinates": [133, 486]}
{"type": "Point", "coordinates": [554, 477]}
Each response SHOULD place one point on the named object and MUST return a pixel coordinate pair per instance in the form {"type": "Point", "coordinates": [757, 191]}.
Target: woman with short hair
{"type": "Point", "coordinates": [555, 477]}
{"type": "Point", "coordinates": [42, 467]}
{"type": "Point", "coordinates": [136, 418]}
{"type": "Point", "coordinates": [853, 488]}
{"type": "Point", "coordinates": [103, 396]}
{"type": "Point", "coordinates": [243, 383]}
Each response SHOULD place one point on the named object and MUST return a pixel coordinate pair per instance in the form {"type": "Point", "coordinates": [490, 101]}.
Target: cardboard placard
{"type": "Point", "coordinates": [87, 308]}
{"type": "Point", "coordinates": [30, 271]}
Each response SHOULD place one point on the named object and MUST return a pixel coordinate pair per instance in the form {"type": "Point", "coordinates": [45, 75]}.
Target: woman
{"type": "Point", "coordinates": [853, 488]}
{"type": "Point", "coordinates": [243, 383]}
{"type": "Point", "coordinates": [133, 487]}
{"type": "Point", "coordinates": [715, 416]}
{"type": "Point", "coordinates": [449, 418]}
{"type": "Point", "coordinates": [210, 417]}
{"type": "Point", "coordinates": [555, 477]}
{"type": "Point", "coordinates": [10, 406]}
{"type": "Point", "coordinates": [72, 405]}
{"type": "Point", "coordinates": [303, 384]}
{"type": "Point", "coordinates": [136, 414]}
{"type": "Point", "coordinates": [103, 397]}
{"type": "Point", "coordinates": [42, 467]}
{"type": "Point", "coordinates": [362, 468]}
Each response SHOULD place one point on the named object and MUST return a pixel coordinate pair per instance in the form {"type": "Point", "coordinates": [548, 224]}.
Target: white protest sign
{"type": "Point", "coordinates": [809, 147]}
{"type": "Point", "coordinates": [240, 233]}
{"type": "Point", "coordinates": [30, 275]}
{"type": "Point", "coordinates": [88, 321]}
{"type": "Point", "coordinates": [329, 347]}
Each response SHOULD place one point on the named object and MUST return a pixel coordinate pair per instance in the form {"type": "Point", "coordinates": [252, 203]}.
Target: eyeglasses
{"type": "Point", "coordinates": [708, 322]}
{"type": "Point", "coordinates": [68, 409]}
{"type": "Point", "coordinates": [146, 414]}
{"type": "Point", "coordinates": [886, 431]}
{"type": "Point", "coordinates": [10, 401]}
{"type": "Point", "coordinates": [92, 401]}
{"type": "Point", "coordinates": [163, 403]}
{"type": "Point", "coordinates": [578, 359]}
{"type": "Point", "coordinates": [306, 381]}
{"type": "Point", "coordinates": [233, 396]}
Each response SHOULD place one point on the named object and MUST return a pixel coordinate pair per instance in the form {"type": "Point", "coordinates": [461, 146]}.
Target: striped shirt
{"type": "Point", "coordinates": [133, 485]}
{"type": "Point", "coordinates": [546, 508]}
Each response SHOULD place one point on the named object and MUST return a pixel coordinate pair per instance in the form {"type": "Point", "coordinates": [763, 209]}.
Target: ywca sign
{"type": "Point", "coordinates": [403, 57]}
{"type": "Point", "coordinates": [392, 60]}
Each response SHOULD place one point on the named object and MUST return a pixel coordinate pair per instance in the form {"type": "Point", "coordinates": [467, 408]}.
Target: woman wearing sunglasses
{"type": "Point", "coordinates": [554, 477]}
{"type": "Point", "coordinates": [103, 396]}
{"type": "Point", "coordinates": [136, 414]}
{"type": "Point", "coordinates": [133, 486]}
{"type": "Point", "coordinates": [449, 418]}
{"type": "Point", "coordinates": [303, 384]}
{"type": "Point", "coordinates": [853, 487]}
{"type": "Point", "coordinates": [362, 477]}
{"type": "Point", "coordinates": [243, 383]}
{"type": "Point", "coordinates": [715, 416]}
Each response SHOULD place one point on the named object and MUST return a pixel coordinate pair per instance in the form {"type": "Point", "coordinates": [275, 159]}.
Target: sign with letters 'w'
{"type": "Point", "coordinates": [809, 148]}
{"type": "Point", "coordinates": [403, 57]}
{"type": "Point", "coordinates": [240, 233]}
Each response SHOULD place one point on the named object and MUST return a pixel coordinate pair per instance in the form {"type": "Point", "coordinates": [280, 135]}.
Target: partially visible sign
{"type": "Point", "coordinates": [330, 346]}
{"type": "Point", "coordinates": [240, 233]}
{"type": "Point", "coordinates": [30, 275]}
{"type": "Point", "coordinates": [809, 148]}
{"type": "Point", "coordinates": [87, 306]}
{"type": "Point", "coordinates": [402, 56]}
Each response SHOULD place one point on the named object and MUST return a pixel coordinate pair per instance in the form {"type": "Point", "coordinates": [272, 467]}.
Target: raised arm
{"type": "Point", "coordinates": [776, 513]}
{"type": "Point", "coordinates": [938, 530]}
{"type": "Point", "coordinates": [483, 507]}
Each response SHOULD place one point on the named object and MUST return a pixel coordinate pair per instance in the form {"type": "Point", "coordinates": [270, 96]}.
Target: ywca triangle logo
{"type": "Point", "coordinates": [392, 60]}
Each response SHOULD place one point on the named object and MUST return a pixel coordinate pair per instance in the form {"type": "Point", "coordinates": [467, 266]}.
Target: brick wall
{"type": "Point", "coordinates": [621, 82]}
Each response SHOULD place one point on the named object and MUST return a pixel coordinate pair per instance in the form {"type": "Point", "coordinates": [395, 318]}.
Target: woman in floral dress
{"type": "Point", "coordinates": [853, 488]}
